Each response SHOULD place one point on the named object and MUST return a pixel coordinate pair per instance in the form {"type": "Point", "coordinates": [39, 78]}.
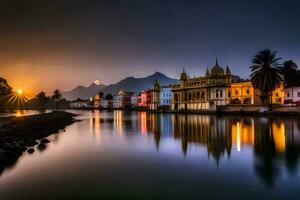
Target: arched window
{"type": "Point", "coordinates": [221, 93]}
{"type": "Point", "coordinates": [202, 95]}
{"type": "Point", "coordinates": [190, 96]}
{"type": "Point", "coordinates": [198, 95]}
{"type": "Point", "coordinates": [217, 93]}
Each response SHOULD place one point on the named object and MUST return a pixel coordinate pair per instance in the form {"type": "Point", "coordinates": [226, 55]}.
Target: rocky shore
{"type": "Point", "coordinates": [20, 134]}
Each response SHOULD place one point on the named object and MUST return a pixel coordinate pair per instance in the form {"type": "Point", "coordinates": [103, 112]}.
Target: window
{"type": "Point", "coordinates": [217, 93]}
{"type": "Point", "coordinates": [202, 95]}
{"type": "Point", "coordinates": [221, 93]}
{"type": "Point", "coordinates": [298, 94]}
{"type": "Point", "coordinates": [229, 94]}
{"type": "Point", "coordinates": [236, 92]}
{"type": "Point", "coordinates": [288, 94]}
{"type": "Point", "coordinates": [248, 91]}
{"type": "Point", "coordinates": [276, 94]}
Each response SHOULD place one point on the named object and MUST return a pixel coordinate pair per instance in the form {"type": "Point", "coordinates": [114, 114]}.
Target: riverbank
{"type": "Point", "coordinates": [20, 134]}
{"type": "Point", "coordinates": [239, 112]}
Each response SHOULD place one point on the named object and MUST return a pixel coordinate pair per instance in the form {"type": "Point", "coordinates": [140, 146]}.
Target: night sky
{"type": "Point", "coordinates": [60, 44]}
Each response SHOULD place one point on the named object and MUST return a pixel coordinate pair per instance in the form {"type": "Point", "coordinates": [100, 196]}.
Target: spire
{"type": "Point", "coordinates": [183, 76]}
{"type": "Point", "coordinates": [217, 61]}
{"type": "Point", "coordinates": [156, 84]}
{"type": "Point", "coordinates": [228, 72]}
{"type": "Point", "coordinates": [207, 72]}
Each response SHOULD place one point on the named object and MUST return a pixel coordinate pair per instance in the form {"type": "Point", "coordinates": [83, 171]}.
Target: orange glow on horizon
{"type": "Point", "coordinates": [20, 91]}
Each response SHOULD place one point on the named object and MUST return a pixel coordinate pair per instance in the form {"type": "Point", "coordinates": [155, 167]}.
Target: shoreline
{"type": "Point", "coordinates": [200, 112]}
{"type": "Point", "coordinates": [21, 134]}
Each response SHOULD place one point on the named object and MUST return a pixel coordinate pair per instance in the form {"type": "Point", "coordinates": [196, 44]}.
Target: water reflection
{"type": "Point", "coordinates": [274, 141]}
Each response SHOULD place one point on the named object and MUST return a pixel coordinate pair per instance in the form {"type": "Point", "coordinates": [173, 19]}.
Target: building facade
{"type": "Point", "coordinates": [107, 104]}
{"type": "Point", "coordinates": [122, 100]}
{"type": "Point", "coordinates": [203, 93]}
{"type": "Point", "coordinates": [241, 93]}
{"type": "Point", "coordinates": [292, 95]}
{"type": "Point", "coordinates": [144, 99]}
{"type": "Point", "coordinates": [161, 96]}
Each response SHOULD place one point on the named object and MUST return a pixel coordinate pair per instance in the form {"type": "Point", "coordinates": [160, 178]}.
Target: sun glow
{"type": "Point", "coordinates": [20, 91]}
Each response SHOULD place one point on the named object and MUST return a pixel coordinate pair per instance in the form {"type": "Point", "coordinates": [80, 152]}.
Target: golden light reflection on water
{"type": "Point", "coordinates": [220, 135]}
{"type": "Point", "coordinates": [95, 126]}
{"type": "Point", "coordinates": [278, 130]}
{"type": "Point", "coordinates": [118, 121]}
{"type": "Point", "coordinates": [242, 134]}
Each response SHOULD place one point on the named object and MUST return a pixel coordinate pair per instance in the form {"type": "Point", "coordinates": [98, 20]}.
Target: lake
{"type": "Point", "coordinates": [140, 155]}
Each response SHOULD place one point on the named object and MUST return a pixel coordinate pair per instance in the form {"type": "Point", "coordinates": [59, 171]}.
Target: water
{"type": "Point", "coordinates": [119, 155]}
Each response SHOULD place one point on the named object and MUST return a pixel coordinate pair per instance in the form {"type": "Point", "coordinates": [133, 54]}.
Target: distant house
{"type": "Point", "coordinates": [107, 104]}
{"type": "Point", "coordinates": [161, 96]}
{"type": "Point", "coordinates": [80, 104]}
{"type": "Point", "coordinates": [292, 95]}
{"type": "Point", "coordinates": [144, 99]}
{"type": "Point", "coordinates": [97, 101]}
{"type": "Point", "coordinates": [165, 95]}
{"type": "Point", "coordinates": [122, 100]}
{"type": "Point", "coordinates": [134, 100]}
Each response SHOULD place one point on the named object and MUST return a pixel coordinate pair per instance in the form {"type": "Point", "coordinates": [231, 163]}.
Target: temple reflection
{"type": "Point", "coordinates": [273, 140]}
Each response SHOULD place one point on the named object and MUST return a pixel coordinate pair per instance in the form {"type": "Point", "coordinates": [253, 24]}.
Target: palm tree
{"type": "Point", "coordinates": [289, 71]}
{"type": "Point", "coordinates": [266, 73]}
{"type": "Point", "coordinates": [57, 97]}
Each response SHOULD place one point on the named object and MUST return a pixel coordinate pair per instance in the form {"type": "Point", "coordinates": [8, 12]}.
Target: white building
{"type": "Point", "coordinates": [80, 104]}
{"type": "Point", "coordinates": [134, 100]}
{"type": "Point", "coordinates": [165, 96]}
{"type": "Point", "coordinates": [292, 95]}
{"type": "Point", "coordinates": [106, 103]}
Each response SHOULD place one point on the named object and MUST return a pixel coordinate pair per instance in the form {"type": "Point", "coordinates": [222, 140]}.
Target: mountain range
{"type": "Point", "coordinates": [129, 84]}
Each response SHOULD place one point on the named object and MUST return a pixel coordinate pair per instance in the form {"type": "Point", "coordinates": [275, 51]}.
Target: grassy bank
{"type": "Point", "coordinates": [19, 134]}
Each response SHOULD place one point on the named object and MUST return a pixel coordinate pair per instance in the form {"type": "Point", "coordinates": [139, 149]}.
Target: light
{"type": "Point", "coordinates": [20, 91]}
{"type": "Point", "coordinates": [97, 82]}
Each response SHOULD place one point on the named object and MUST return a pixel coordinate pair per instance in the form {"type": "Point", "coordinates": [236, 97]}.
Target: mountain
{"type": "Point", "coordinates": [83, 92]}
{"type": "Point", "coordinates": [136, 85]}
{"type": "Point", "coordinates": [129, 84]}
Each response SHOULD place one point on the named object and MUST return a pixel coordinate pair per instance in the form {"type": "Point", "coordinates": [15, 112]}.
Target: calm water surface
{"type": "Point", "coordinates": [138, 155]}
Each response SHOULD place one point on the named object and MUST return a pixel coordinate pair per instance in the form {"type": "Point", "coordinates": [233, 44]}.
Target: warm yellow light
{"type": "Point", "coordinates": [20, 91]}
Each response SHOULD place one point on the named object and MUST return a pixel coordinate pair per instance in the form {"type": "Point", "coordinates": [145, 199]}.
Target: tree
{"type": "Point", "coordinates": [100, 94]}
{"type": "Point", "coordinates": [41, 99]}
{"type": "Point", "coordinates": [5, 89]}
{"type": "Point", "coordinates": [266, 73]}
{"type": "Point", "coordinates": [57, 97]}
{"type": "Point", "coordinates": [109, 97]}
{"type": "Point", "coordinates": [5, 93]}
{"type": "Point", "coordinates": [289, 71]}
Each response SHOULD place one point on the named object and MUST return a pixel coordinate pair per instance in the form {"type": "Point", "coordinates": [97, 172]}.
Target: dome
{"type": "Point", "coordinates": [217, 70]}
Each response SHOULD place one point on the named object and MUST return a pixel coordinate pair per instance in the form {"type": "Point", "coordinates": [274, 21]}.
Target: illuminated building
{"type": "Point", "coordinates": [161, 96]}
{"type": "Point", "coordinates": [203, 93]}
{"type": "Point", "coordinates": [144, 99]}
{"type": "Point", "coordinates": [122, 100]}
{"type": "Point", "coordinates": [97, 101]}
{"type": "Point", "coordinates": [292, 95]}
{"type": "Point", "coordinates": [241, 93]}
